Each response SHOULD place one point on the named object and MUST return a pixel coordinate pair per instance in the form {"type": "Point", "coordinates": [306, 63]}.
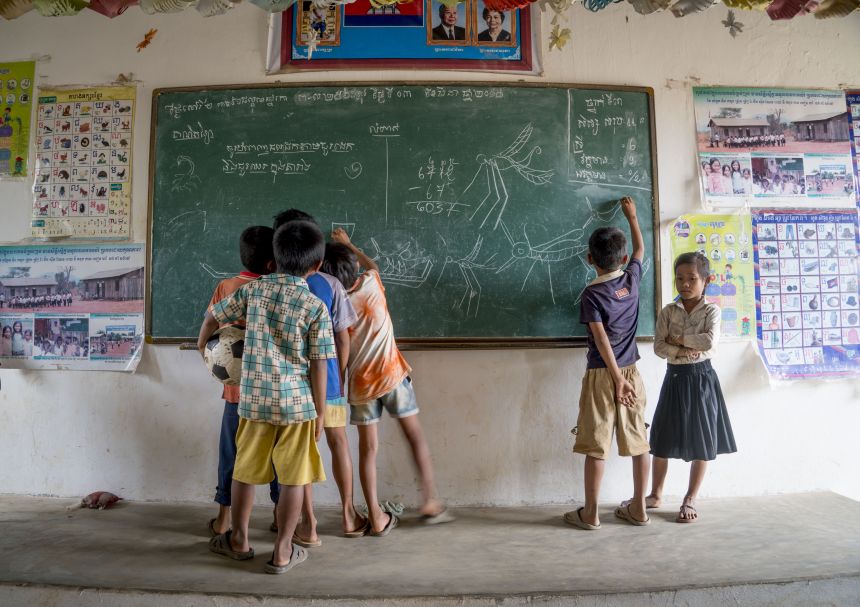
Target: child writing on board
{"type": "Point", "coordinates": [334, 296]}
{"type": "Point", "coordinates": [282, 390]}
{"type": "Point", "coordinates": [379, 379]}
{"type": "Point", "coordinates": [613, 395]}
{"type": "Point", "coordinates": [255, 251]}
{"type": "Point", "coordinates": [691, 421]}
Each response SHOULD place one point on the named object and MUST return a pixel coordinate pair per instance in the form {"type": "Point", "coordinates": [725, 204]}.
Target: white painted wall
{"type": "Point", "coordinates": [498, 422]}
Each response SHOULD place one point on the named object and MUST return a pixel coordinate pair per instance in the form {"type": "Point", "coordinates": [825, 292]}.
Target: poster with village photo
{"type": "Point", "coordinates": [55, 300]}
{"type": "Point", "coordinates": [769, 136]}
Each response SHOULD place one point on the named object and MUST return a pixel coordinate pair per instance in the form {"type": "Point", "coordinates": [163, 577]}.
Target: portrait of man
{"type": "Point", "coordinates": [449, 27]}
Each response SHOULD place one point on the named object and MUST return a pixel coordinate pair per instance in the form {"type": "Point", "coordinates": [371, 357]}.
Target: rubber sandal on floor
{"type": "Point", "coordinates": [211, 525]}
{"type": "Point", "coordinates": [443, 516]}
{"type": "Point", "coordinates": [574, 517]}
{"type": "Point", "coordinates": [678, 519]}
{"type": "Point", "coordinates": [220, 544]}
{"type": "Point", "coordinates": [393, 521]}
{"type": "Point", "coordinates": [624, 514]}
{"type": "Point", "coordinates": [360, 532]}
{"type": "Point", "coordinates": [299, 555]}
{"type": "Point", "coordinates": [297, 539]}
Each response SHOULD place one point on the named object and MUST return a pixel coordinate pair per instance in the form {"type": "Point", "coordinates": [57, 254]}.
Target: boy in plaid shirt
{"type": "Point", "coordinates": [288, 339]}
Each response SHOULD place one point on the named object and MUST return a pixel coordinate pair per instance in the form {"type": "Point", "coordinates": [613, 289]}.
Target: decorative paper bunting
{"type": "Point", "coordinates": [646, 7]}
{"type": "Point", "coordinates": [60, 8]}
{"type": "Point", "coordinates": [273, 6]}
{"type": "Point", "coordinates": [836, 8]}
{"type": "Point", "coordinates": [211, 8]}
{"type": "Point", "coordinates": [682, 8]}
{"type": "Point", "coordinates": [12, 9]}
{"type": "Point", "coordinates": [111, 8]}
{"type": "Point", "coordinates": [151, 7]}
{"type": "Point", "coordinates": [785, 9]}
{"type": "Point", "coordinates": [747, 5]}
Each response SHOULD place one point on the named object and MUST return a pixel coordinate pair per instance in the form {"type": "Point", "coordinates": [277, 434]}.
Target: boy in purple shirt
{"type": "Point", "coordinates": [613, 396]}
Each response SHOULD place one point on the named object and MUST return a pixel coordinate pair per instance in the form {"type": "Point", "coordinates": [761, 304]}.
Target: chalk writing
{"type": "Point", "coordinates": [275, 168]}
{"type": "Point", "coordinates": [194, 133]}
{"type": "Point", "coordinates": [291, 147]}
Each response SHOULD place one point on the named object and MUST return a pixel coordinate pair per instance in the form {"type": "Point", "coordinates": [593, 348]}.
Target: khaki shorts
{"type": "Point", "coordinates": [336, 413]}
{"type": "Point", "coordinates": [600, 416]}
{"type": "Point", "coordinates": [291, 449]}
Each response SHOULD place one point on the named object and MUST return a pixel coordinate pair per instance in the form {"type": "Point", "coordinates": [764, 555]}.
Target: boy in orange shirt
{"type": "Point", "coordinates": [379, 378]}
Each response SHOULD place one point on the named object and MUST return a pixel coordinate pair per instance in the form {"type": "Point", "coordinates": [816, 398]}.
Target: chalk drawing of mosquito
{"type": "Point", "coordinates": [561, 248]}
{"type": "Point", "coordinates": [472, 294]}
{"type": "Point", "coordinates": [186, 180]}
{"type": "Point", "coordinates": [407, 266]}
{"type": "Point", "coordinates": [494, 200]}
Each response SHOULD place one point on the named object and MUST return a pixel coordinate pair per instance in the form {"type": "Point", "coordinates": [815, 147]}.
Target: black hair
{"type": "Point", "coordinates": [442, 8]}
{"type": "Point", "coordinates": [341, 263]}
{"type": "Point", "coordinates": [487, 11]}
{"type": "Point", "coordinates": [299, 246]}
{"type": "Point", "coordinates": [607, 247]}
{"type": "Point", "coordinates": [255, 248]}
{"type": "Point", "coordinates": [703, 266]}
{"type": "Point", "coordinates": [291, 215]}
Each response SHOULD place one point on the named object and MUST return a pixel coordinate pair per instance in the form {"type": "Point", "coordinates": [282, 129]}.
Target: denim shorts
{"type": "Point", "coordinates": [400, 402]}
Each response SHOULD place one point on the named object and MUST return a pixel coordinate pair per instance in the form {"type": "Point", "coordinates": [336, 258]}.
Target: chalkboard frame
{"type": "Point", "coordinates": [432, 343]}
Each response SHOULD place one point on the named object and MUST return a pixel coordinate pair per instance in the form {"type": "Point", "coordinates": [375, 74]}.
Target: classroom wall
{"type": "Point", "coordinates": [498, 422]}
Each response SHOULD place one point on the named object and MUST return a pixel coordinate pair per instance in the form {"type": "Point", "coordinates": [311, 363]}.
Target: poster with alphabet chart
{"type": "Point", "coordinates": [84, 141]}
{"type": "Point", "coordinates": [808, 323]}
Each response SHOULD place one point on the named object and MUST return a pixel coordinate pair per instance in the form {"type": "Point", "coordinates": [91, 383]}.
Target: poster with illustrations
{"type": "Point", "coordinates": [726, 240]}
{"type": "Point", "coordinates": [773, 147]}
{"type": "Point", "coordinates": [83, 163]}
{"type": "Point", "coordinates": [852, 98]}
{"type": "Point", "coordinates": [16, 107]}
{"type": "Point", "coordinates": [808, 323]}
{"type": "Point", "coordinates": [71, 307]}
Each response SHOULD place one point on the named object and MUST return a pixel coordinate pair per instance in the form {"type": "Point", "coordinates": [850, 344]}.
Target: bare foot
{"type": "Point", "coordinates": [687, 513]}
{"type": "Point", "coordinates": [651, 501]}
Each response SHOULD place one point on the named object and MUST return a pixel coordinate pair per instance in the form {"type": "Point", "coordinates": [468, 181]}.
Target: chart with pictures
{"type": "Point", "coordinates": [83, 163]}
{"type": "Point", "coordinates": [808, 323]}
{"type": "Point", "coordinates": [853, 100]}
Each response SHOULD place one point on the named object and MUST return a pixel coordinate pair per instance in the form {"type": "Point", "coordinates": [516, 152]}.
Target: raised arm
{"type": "Point", "coordinates": [628, 207]}
{"type": "Point", "coordinates": [340, 235]}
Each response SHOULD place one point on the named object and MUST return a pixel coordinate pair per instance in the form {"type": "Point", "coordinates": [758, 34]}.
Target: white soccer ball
{"type": "Point", "coordinates": [223, 355]}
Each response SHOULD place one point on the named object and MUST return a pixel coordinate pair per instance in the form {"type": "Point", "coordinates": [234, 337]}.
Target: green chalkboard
{"type": "Point", "coordinates": [476, 201]}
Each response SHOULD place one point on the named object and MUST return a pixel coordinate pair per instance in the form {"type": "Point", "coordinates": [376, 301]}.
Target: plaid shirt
{"type": "Point", "coordinates": [285, 327]}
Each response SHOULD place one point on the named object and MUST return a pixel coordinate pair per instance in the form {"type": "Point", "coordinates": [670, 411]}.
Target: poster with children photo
{"type": "Point", "coordinates": [726, 175]}
{"type": "Point", "coordinates": [778, 176]}
{"type": "Point", "coordinates": [17, 337]}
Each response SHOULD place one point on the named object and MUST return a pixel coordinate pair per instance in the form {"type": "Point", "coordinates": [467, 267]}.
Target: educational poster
{"type": "Point", "coordinates": [726, 240]}
{"type": "Point", "coordinates": [808, 324]}
{"type": "Point", "coordinates": [422, 34]}
{"type": "Point", "coordinates": [773, 147]}
{"type": "Point", "coordinates": [853, 100]}
{"type": "Point", "coordinates": [83, 163]}
{"type": "Point", "coordinates": [16, 107]}
{"type": "Point", "coordinates": [71, 307]}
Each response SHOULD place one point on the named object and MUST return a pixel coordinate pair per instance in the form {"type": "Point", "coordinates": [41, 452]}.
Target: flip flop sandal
{"type": "Point", "coordinates": [211, 525]}
{"type": "Point", "coordinates": [393, 521]}
{"type": "Point", "coordinates": [444, 516]}
{"type": "Point", "coordinates": [299, 555]}
{"type": "Point", "coordinates": [360, 532]}
{"type": "Point", "coordinates": [305, 543]}
{"type": "Point", "coordinates": [624, 513]}
{"type": "Point", "coordinates": [574, 517]}
{"type": "Point", "coordinates": [220, 544]}
{"type": "Point", "coordinates": [678, 518]}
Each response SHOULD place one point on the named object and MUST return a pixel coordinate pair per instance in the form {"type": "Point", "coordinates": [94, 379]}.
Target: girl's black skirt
{"type": "Point", "coordinates": [691, 421]}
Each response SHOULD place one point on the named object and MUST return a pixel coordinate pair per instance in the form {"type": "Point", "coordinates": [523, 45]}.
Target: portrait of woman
{"type": "Point", "coordinates": [494, 31]}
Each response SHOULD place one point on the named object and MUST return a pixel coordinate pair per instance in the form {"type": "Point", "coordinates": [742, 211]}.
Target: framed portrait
{"type": "Point", "coordinates": [493, 27]}
{"type": "Point", "coordinates": [325, 21]}
{"type": "Point", "coordinates": [448, 25]}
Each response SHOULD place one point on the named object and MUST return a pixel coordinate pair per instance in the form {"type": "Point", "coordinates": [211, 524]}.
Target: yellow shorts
{"type": "Point", "coordinates": [600, 416]}
{"type": "Point", "coordinates": [291, 449]}
{"type": "Point", "coordinates": [336, 416]}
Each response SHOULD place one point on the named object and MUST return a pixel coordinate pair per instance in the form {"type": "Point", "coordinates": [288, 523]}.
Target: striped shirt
{"type": "Point", "coordinates": [285, 328]}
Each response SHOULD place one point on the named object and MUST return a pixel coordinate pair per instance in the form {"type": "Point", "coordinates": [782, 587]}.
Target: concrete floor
{"type": "Point", "coordinates": [782, 550]}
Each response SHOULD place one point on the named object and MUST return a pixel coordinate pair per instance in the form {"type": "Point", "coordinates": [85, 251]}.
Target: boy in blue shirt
{"type": "Point", "coordinates": [343, 316]}
{"type": "Point", "coordinates": [288, 339]}
{"type": "Point", "coordinates": [613, 395]}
